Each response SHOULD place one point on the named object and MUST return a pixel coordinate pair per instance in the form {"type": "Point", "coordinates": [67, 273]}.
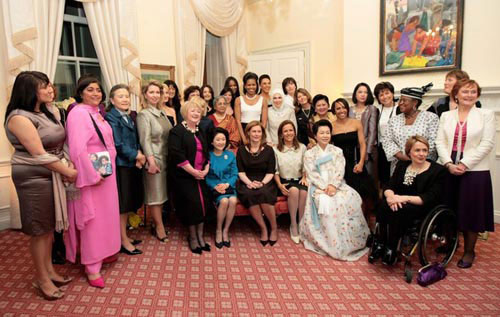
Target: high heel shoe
{"type": "Point", "coordinates": [136, 242]}
{"type": "Point", "coordinates": [98, 282]}
{"type": "Point", "coordinates": [465, 265]}
{"type": "Point", "coordinates": [264, 242]}
{"type": "Point", "coordinates": [196, 250]}
{"type": "Point", "coordinates": [66, 280]}
{"type": "Point", "coordinates": [227, 244]}
{"type": "Point", "coordinates": [58, 294]}
{"type": "Point", "coordinates": [154, 234]}
{"type": "Point", "coordinates": [128, 252]}
{"type": "Point", "coordinates": [205, 247]}
{"type": "Point", "coordinates": [219, 245]}
{"type": "Point", "coordinates": [295, 239]}
{"type": "Point", "coordinates": [272, 242]}
{"type": "Point", "coordinates": [390, 257]}
{"type": "Point", "coordinates": [376, 252]}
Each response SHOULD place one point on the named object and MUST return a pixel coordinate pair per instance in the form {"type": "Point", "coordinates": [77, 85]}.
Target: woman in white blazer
{"type": "Point", "coordinates": [465, 140]}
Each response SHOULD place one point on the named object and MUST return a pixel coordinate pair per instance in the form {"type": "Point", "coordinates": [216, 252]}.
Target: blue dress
{"type": "Point", "coordinates": [223, 170]}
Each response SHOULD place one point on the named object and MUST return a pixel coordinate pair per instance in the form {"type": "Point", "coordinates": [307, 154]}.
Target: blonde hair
{"type": "Point", "coordinates": [187, 106]}
{"type": "Point", "coordinates": [249, 127]}
{"type": "Point", "coordinates": [144, 90]}
{"type": "Point", "coordinates": [414, 139]}
{"type": "Point", "coordinates": [202, 103]}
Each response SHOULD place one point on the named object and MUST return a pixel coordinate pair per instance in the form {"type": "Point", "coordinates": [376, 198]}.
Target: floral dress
{"type": "Point", "coordinates": [332, 225]}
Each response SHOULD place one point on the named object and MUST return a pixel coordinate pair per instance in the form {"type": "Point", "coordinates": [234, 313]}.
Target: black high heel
{"type": "Point", "coordinates": [272, 242]}
{"type": "Point", "coordinates": [264, 242]}
{"type": "Point", "coordinates": [389, 257]}
{"type": "Point", "coordinates": [376, 252]}
{"type": "Point", "coordinates": [206, 247]}
{"type": "Point", "coordinates": [153, 233]}
{"type": "Point", "coordinates": [196, 250]}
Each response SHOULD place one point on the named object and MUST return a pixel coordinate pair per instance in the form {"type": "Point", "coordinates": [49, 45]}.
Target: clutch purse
{"type": "Point", "coordinates": [431, 274]}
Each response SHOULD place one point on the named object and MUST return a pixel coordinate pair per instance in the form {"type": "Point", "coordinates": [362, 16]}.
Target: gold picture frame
{"type": "Point", "coordinates": [157, 72]}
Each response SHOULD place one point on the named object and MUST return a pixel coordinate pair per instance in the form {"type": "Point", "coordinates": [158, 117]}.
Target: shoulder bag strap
{"type": "Point", "coordinates": [98, 131]}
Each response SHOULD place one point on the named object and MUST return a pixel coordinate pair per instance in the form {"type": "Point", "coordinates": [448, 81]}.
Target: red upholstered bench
{"type": "Point", "coordinates": [281, 207]}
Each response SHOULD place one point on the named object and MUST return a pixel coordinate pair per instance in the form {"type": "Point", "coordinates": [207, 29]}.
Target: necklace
{"type": "Point", "coordinates": [254, 154]}
{"type": "Point", "coordinates": [218, 117]}
{"type": "Point", "coordinates": [306, 112]}
{"type": "Point", "coordinates": [410, 175]}
{"type": "Point", "coordinates": [184, 123]}
{"type": "Point", "coordinates": [251, 98]}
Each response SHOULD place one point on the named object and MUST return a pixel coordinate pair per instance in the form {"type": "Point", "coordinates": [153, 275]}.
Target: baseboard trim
{"type": "Point", "coordinates": [497, 216]}
{"type": "Point", "coordinates": [4, 221]}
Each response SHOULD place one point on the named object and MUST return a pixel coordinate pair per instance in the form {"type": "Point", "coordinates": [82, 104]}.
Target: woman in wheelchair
{"type": "Point", "coordinates": [413, 190]}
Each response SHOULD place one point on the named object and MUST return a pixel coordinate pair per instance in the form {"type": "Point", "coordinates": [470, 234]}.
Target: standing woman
{"type": "Point", "coordinates": [38, 138]}
{"type": "Point", "coordinates": [129, 161]}
{"type": "Point", "coordinates": [232, 84]}
{"type": "Point", "coordinates": [290, 174]}
{"type": "Point", "coordinates": [384, 92]}
{"type": "Point", "coordinates": [256, 189]}
{"type": "Point", "coordinates": [250, 107]}
{"type": "Point", "coordinates": [465, 141]}
{"type": "Point", "coordinates": [228, 94]}
{"type": "Point", "coordinates": [94, 212]}
{"type": "Point", "coordinates": [276, 115]}
{"type": "Point", "coordinates": [153, 127]}
{"type": "Point", "coordinates": [190, 92]}
{"type": "Point", "coordinates": [365, 111]}
{"type": "Point", "coordinates": [265, 88]}
{"type": "Point", "coordinates": [322, 112]}
{"type": "Point", "coordinates": [174, 100]}
{"type": "Point", "coordinates": [304, 113]}
{"type": "Point", "coordinates": [221, 179]}
{"type": "Point", "coordinates": [207, 93]}
{"type": "Point", "coordinates": [165, 106]}
{"type": "Point", "coordinates": [408, 123]}
{"type": "Point", "coordinates": [221, 119]}
{"type": "Point", "coordinates": [289, 86]}
{"type": "Point", "coordinates": [189, 162]}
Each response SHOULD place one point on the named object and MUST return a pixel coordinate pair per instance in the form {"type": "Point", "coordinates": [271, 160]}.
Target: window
{"type": "Point", "coordinates": [77, 55]}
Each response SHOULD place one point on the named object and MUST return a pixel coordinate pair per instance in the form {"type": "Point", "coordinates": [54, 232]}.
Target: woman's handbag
{"type": "Point", "coordinates": [101, 161]}
{"type": "Point", "coordinates": [431, 274]}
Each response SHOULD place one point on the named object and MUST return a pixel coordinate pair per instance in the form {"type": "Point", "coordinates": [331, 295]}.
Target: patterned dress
{"type": "Point", "coordinates": [332, 225]}
{"type": "Point", "coordinates": [426, 124]}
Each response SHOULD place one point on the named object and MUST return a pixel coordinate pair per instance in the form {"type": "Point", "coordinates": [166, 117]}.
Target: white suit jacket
{"type": "Point", "coordinates": [480, 139]}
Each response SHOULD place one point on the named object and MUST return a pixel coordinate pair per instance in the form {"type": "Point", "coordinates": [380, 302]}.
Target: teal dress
{"type": "Point", "coordinates": [223, 170]}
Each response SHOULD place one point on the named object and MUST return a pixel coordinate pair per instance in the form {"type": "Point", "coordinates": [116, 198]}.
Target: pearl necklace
{"type": "Point", "coordinates": [251, 98]}
{"type": "Point", "coordinates": [184, 123]}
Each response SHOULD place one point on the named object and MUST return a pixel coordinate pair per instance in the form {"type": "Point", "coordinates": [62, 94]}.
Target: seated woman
{"type": "Point", "coordinates": [413, 190]}
{"type": "Point", "coordinates": [290, 176]}
{"type": "Point", "coordinates": [333, 222]}
{"type": "Point", "coordinates": [221, 119]}
{"type": "Point", "coordinates": [221, 179]}
{"type": "Point", "coordinates": [256, 189]}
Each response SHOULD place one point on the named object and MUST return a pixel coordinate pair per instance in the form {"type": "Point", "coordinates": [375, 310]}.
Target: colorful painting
{"type": "Point", "coordinates": [157, 72]}
{"type": "Point", "coordinates": [420, 35]}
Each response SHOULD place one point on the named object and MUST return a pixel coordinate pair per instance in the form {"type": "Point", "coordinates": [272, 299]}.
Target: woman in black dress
{"type": "Point", "coordinates": [188, 151]}
{"type": "Point", "coordinates": [413, 190]}
{"type": "Point", "coordinates": [303, 113]}
{"type": "Point", "coordinates": [256, 189]}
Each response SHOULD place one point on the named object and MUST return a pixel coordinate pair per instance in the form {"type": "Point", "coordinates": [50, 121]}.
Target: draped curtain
{"type": "Point", "coordinates": [224, 19]}
{"type": "Point", "coordinates": [33, 31]}
{"type": "Point", "coordinates": [113, 28]}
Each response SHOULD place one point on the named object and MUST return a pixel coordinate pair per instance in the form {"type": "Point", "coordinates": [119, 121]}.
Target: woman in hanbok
{"type": "Point", "coordinates": [93, 212]}
{"type": "Point", "coordinates": [333, 223]}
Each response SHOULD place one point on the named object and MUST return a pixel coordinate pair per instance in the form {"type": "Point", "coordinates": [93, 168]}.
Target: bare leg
{"type": "Point", "coordinates": [256, 213]}
{"type": "Point", "coordinates": [39, 253]}
{"type": "Point", "coordinates": [302, 203]}
{"type": "Point", "coordinates": [293, 205]}
{"type": "Point", "coordinates": [221, 215]}
{"type": "Point", "coordinates": [156, 213]}
{"type": "Point", "coordinates": [229, 218]}
{"type": "Point", "coordinates": [48, 261]}
{"type": "Point", "coordinates": [123, 233]}
{"type": "Point", "coordinates": [271, 216]}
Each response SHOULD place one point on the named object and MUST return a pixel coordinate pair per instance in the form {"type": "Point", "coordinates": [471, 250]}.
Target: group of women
{"type": "Point", "coordinates": [204, 154]}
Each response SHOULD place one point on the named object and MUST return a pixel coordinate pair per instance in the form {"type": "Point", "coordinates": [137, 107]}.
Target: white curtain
{"type": "Point", "coordinates": [113, 29]}
{"type": "Point", "coordinates": [189, 45]}
{"type": "Point", "coordinates": [234, 51]}
{"type": "Point", "coordinates": [219, 17]}
{"type": "Point", "coordinates": [33, 31]}
{"type": "Point", "coordinates": [216, 73]}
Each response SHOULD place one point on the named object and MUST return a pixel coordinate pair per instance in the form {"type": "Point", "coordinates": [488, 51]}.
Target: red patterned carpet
{"type": "Point", "coordinates": [249, 280]}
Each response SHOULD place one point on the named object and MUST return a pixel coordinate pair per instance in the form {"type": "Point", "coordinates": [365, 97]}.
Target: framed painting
{"type": "Point", "coordinates": [420, 35]}
{"type": "Point", "coordinates": [157, 72]}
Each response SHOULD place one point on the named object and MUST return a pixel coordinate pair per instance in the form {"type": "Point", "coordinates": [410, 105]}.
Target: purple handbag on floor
{"type": "Point", "coordinates": [430, 274]}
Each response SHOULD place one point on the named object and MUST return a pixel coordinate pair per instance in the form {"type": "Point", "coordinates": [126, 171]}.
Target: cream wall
{"type": "Point", "coordinates": [361, 46]}
{"type": "Point", "coordinates": [286, 22]}
{"type": "Point", "coordinates": [156, 32]}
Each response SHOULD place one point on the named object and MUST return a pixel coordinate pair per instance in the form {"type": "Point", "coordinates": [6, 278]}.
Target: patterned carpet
{"type": "Point", "coordinates": [248, 280]}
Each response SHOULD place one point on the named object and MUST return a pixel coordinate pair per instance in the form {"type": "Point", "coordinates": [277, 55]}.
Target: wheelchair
{"type": "Point", "coordinates": [435, 238]}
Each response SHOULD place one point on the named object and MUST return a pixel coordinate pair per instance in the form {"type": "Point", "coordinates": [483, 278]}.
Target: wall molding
{"type": "Point", "coordinates": [489, 91]}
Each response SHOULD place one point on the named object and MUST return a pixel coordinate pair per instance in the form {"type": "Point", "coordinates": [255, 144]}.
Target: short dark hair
{"type": "Point", "coordinates": [287, 81]}
{"type": "Point", "coordinates": [369, 98]}
{"type": "Point", "coordinates": [84, 83]}
{"type": "Point", "coordinates": [321, 123]}
{"type": "Point", "coordinates": [261, 78]}
{"type": "Point", "coordinates": [249, 76]}
{"type": "Point", "coordinates": [382, 86]}
{"type": "Point", "coordinates": [223, 131]}
{"type": "Point", "coordinates": [319, 97]}
{"type": "Point", "coordinates": [342, 101]}
{"type": "Point", "coordinates": [189, 90]}
{"type": "Point", "coordinates": [24, 93]}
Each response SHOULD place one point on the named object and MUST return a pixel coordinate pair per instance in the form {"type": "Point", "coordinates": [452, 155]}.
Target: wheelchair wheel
{"type": "Point", "coordinates": [438, 236]}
